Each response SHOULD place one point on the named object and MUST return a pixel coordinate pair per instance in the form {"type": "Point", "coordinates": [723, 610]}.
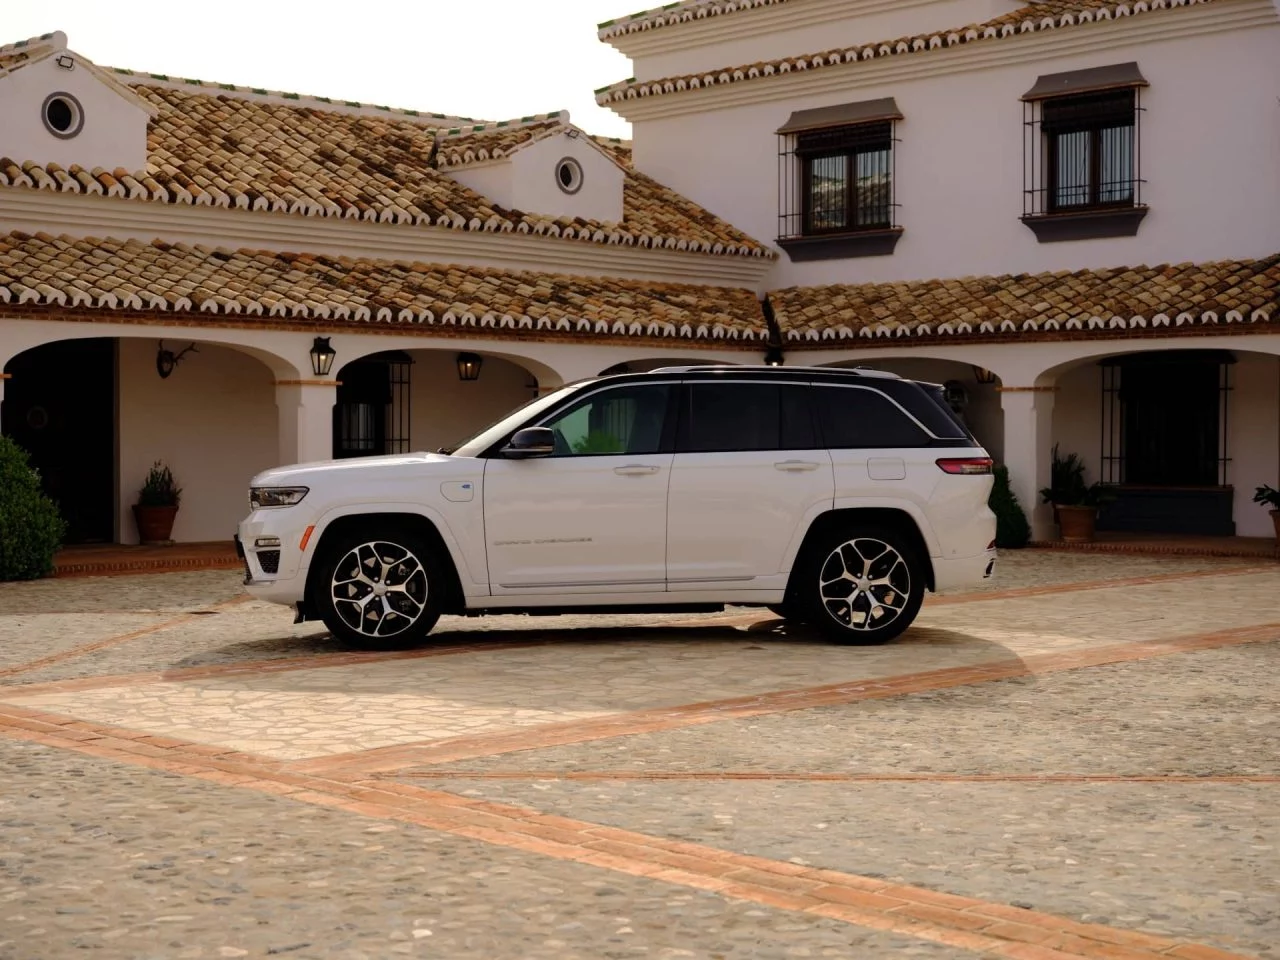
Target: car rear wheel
{"type": "Point", "coordinates": [378, 588]}
{"type": "Point", "coordinates": [861, 584]}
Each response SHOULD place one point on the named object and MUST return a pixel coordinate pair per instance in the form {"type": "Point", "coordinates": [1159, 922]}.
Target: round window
{"type": "Point", "coordinates": [62, 114]}
{"type": "Point", "coordinates": [569, 175]}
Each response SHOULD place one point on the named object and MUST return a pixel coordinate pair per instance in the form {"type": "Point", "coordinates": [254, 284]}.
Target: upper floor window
{"type": "Point", "coordinates": [836, 181]}
{"type": "Point", "coordinates": [1081, 167]}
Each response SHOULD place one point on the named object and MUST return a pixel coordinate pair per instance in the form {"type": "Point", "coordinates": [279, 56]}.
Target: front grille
{"type": "Point", "coordinates": [269, 560]}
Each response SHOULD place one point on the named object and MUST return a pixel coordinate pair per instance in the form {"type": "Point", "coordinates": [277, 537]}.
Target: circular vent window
{"type": "Point", "coordinates": [62, 114]}
{"type": "Point", "coordinates": [569, 175]}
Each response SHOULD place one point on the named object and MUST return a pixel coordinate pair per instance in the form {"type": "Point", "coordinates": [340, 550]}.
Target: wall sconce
{"type": "Point", "coordinates": [166, 360]}
{"type": "Point", "coordinates": [322, 356]}
{"type": "Point", "coordinates": [983, 375]}
{"type": "Point", "coordinates": [773, 357]}
{"type": "Point", "coordinates": [469, 366]}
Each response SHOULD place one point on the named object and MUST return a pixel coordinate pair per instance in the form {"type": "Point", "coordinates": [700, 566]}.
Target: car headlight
{"type": "Point", "coordinates": [276, 496]}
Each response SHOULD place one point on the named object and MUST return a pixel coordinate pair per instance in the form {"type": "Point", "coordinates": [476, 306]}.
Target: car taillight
{"type": "Point", "coordinates": [967, 465]}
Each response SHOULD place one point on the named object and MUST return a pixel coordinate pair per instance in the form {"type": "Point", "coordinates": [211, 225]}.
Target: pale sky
{"type": "Point", "coordinates": [488, 59]}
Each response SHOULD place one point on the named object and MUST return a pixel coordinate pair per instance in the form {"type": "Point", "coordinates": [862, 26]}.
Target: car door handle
{"type": "Point", "coordinates": [795, 466]}
{"type": "Point", "coordinates": [635, 470]}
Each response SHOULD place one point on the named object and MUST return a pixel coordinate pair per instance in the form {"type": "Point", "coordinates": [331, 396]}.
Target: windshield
{"type": "Point", "coordinates": [491, 434]}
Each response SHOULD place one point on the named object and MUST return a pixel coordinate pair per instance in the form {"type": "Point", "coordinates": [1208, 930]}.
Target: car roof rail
{"type": "Point", "coordinates": [759, 368]}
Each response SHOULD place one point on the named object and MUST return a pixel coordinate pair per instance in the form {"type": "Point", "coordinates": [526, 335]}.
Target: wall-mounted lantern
{"type": "Point", "coordinates": [322, 357]}
{"type": "Point", "coordinates": [469, 366]}
{"type": "Point", "coordinates": [983, 375]}
{"type": "Point", "coordinates": [166, 360]}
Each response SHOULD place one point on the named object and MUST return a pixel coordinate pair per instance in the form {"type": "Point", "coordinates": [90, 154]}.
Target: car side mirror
{"type": "Point", "coordinates": [530, 442]}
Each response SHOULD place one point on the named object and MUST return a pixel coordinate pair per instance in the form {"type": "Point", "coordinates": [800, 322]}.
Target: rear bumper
{"type": "Point", "coordinates": [963, 571]}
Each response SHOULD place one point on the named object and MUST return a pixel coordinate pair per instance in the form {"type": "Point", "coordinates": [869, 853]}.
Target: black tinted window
{"type": "Point", "coordinates": [720, 417]}
{"type": "Point", "coordinates": [852, 417]}
{"type": "Point", "coordinates": [797, 419]}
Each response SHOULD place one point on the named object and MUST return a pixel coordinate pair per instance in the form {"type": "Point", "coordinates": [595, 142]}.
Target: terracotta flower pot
{"type": "Point", "coordinates": [1076, 523]}
{"type": "Point", "coordinates": [155, 524]}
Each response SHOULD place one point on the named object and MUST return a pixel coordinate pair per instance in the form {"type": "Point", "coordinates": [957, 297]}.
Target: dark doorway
{"type": "Point", "coordinates": [371, 411]}
{"type": "Point", "coordinates": [59, 406]}
{"type": "Point", "coordinates": [1164, 442]}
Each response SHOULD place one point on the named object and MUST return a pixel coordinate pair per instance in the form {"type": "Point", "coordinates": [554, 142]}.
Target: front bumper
{"type": "Point", "coordinates": [268, 543]}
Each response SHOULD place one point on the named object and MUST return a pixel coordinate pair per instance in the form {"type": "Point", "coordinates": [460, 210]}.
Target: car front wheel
{"type": "Point", "coordinates": [861, 585]}
{"type": "Point", "coordinates": [378, 588]}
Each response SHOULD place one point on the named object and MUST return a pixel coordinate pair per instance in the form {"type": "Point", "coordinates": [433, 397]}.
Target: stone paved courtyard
{"type": "Point", "coordinates": [1079, 760]}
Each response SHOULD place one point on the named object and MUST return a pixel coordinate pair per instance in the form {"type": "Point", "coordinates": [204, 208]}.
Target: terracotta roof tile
{"type": "Point", "coordinates": [1038, 16]}
{"type": "Point", "coordinates": [479, 143]}
{"type": "Point", "coordinates": [674, 13]}
{"type": "Point", "coordinates": [14, 55]}
{"type": "Point", "coordinates": [259, 152]}
{"type": "Point", "coordinates": [88, 274]}
{"type": "Point", "coordinates": [1023, 306]}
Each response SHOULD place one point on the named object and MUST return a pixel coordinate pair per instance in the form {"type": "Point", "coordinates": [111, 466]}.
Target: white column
{"type": "Point", "coordinates": [305, 419]}
{"type": "Point", "coordinates": [1028, 451]}
{"type": "Point", "coordinates": [3, 378]}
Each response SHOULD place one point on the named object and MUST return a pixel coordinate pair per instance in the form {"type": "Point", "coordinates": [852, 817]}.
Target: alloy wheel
{"type": "Point", "coordinates": [865, 584]}
{"type": "Point", "coordinates": [379, 589]}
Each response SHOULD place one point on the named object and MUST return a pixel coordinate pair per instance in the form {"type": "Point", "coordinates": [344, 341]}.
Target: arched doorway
{"type": "Point", "coordinates": [59, 406]}
{"type": "Point", "coordinates": [371, 412]}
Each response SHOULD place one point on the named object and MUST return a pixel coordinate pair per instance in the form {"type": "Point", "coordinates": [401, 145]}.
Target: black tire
{"type": "Point", "coordinates": [357, 562]}
{"type": "Point", "coordinates": [878, 606]}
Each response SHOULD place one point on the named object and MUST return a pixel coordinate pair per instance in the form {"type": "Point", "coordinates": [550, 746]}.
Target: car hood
{"type": "Point", "coordinates": [309, 474]}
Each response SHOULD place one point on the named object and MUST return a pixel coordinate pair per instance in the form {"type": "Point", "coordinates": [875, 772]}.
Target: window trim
{"type": "Point", "coordinates": [854, 130]}
{"type": "Point", "coordinates": [1043, 214]}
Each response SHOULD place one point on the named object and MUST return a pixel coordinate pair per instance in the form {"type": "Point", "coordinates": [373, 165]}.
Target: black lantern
{"type": "Point", "coordinates": [983, 375]}
{"type": "Point", "coordinates": [469, 366]}
{"type": "Point", "coordinates": [773, 356]}
{"type": "Point", "coordinates": [322, 357]}
{"type": "Point", "coordinates": [167, 360]}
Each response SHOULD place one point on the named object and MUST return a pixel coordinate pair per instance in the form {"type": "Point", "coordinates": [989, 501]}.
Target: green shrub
{"type": "Point", "coordinates": [159, 489]}
{"type": "Point", "coordinates": [30, 526]}
{"type": "Point", "coordinates": [1012, 529]}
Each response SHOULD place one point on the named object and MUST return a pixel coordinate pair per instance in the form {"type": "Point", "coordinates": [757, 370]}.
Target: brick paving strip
{"type": "Point", "coordinates": [435, 773]}
{"type": "Point", "coordinates": [390, 759]}
{"type": "Point", "coordinates": [990, 929]}
{"type": "Point", "coordinates": [319, 661]}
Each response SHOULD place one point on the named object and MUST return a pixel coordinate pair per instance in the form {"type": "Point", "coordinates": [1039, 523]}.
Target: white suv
{"type": "Point", "coordinates": [833, 497]}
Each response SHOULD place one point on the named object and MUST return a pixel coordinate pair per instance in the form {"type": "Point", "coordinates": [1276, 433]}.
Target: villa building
{"type": "Point", "coordinates": [1067, 210]}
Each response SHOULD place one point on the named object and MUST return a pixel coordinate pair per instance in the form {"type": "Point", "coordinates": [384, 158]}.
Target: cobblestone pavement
{"type": "Point", "coordinates": [1079, 760]}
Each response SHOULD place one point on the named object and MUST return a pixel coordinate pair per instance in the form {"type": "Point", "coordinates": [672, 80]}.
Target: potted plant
{"type": "Point", "coordinates": [1075, 503]}
{"type": "Point", "coordinates": [157, 505]}
{"type": "Point", "coordinates": [1270, 496]}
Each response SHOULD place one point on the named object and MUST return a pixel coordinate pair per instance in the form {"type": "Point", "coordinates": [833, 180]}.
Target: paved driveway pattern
{"type": "Point", "coordinates": [1080, 759]}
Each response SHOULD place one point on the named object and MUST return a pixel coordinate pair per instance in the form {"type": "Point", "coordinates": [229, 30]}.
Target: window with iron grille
{"type": "Point", "coordinates": [1082, 162]}
{"type": "Point", "coordinates": [836, 181]}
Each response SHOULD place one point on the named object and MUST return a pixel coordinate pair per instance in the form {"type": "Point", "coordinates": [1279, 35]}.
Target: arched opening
{"type": "Point", "coordinates": [96, 413]}
{"type": "Point", "coordinates": [973, 392]}
{"type": "Point", "coordinates": [423, 399]}
{"type": "Point", "coordinates": [1183, 436]}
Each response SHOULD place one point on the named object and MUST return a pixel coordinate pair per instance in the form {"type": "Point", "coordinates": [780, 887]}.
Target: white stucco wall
{"type": "Point", "coordinates": [1209, 142]}
{"type": "Point", "coordinates": [445, 410]}
{"type": "Point", "coordinates": [213, 422]}
{"type": "Point", "coordinates": [526, 180]}
{"type": "Point", "coordinates": [769, 33]}
{"type": "Point", "coordinates": [114, 132]}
